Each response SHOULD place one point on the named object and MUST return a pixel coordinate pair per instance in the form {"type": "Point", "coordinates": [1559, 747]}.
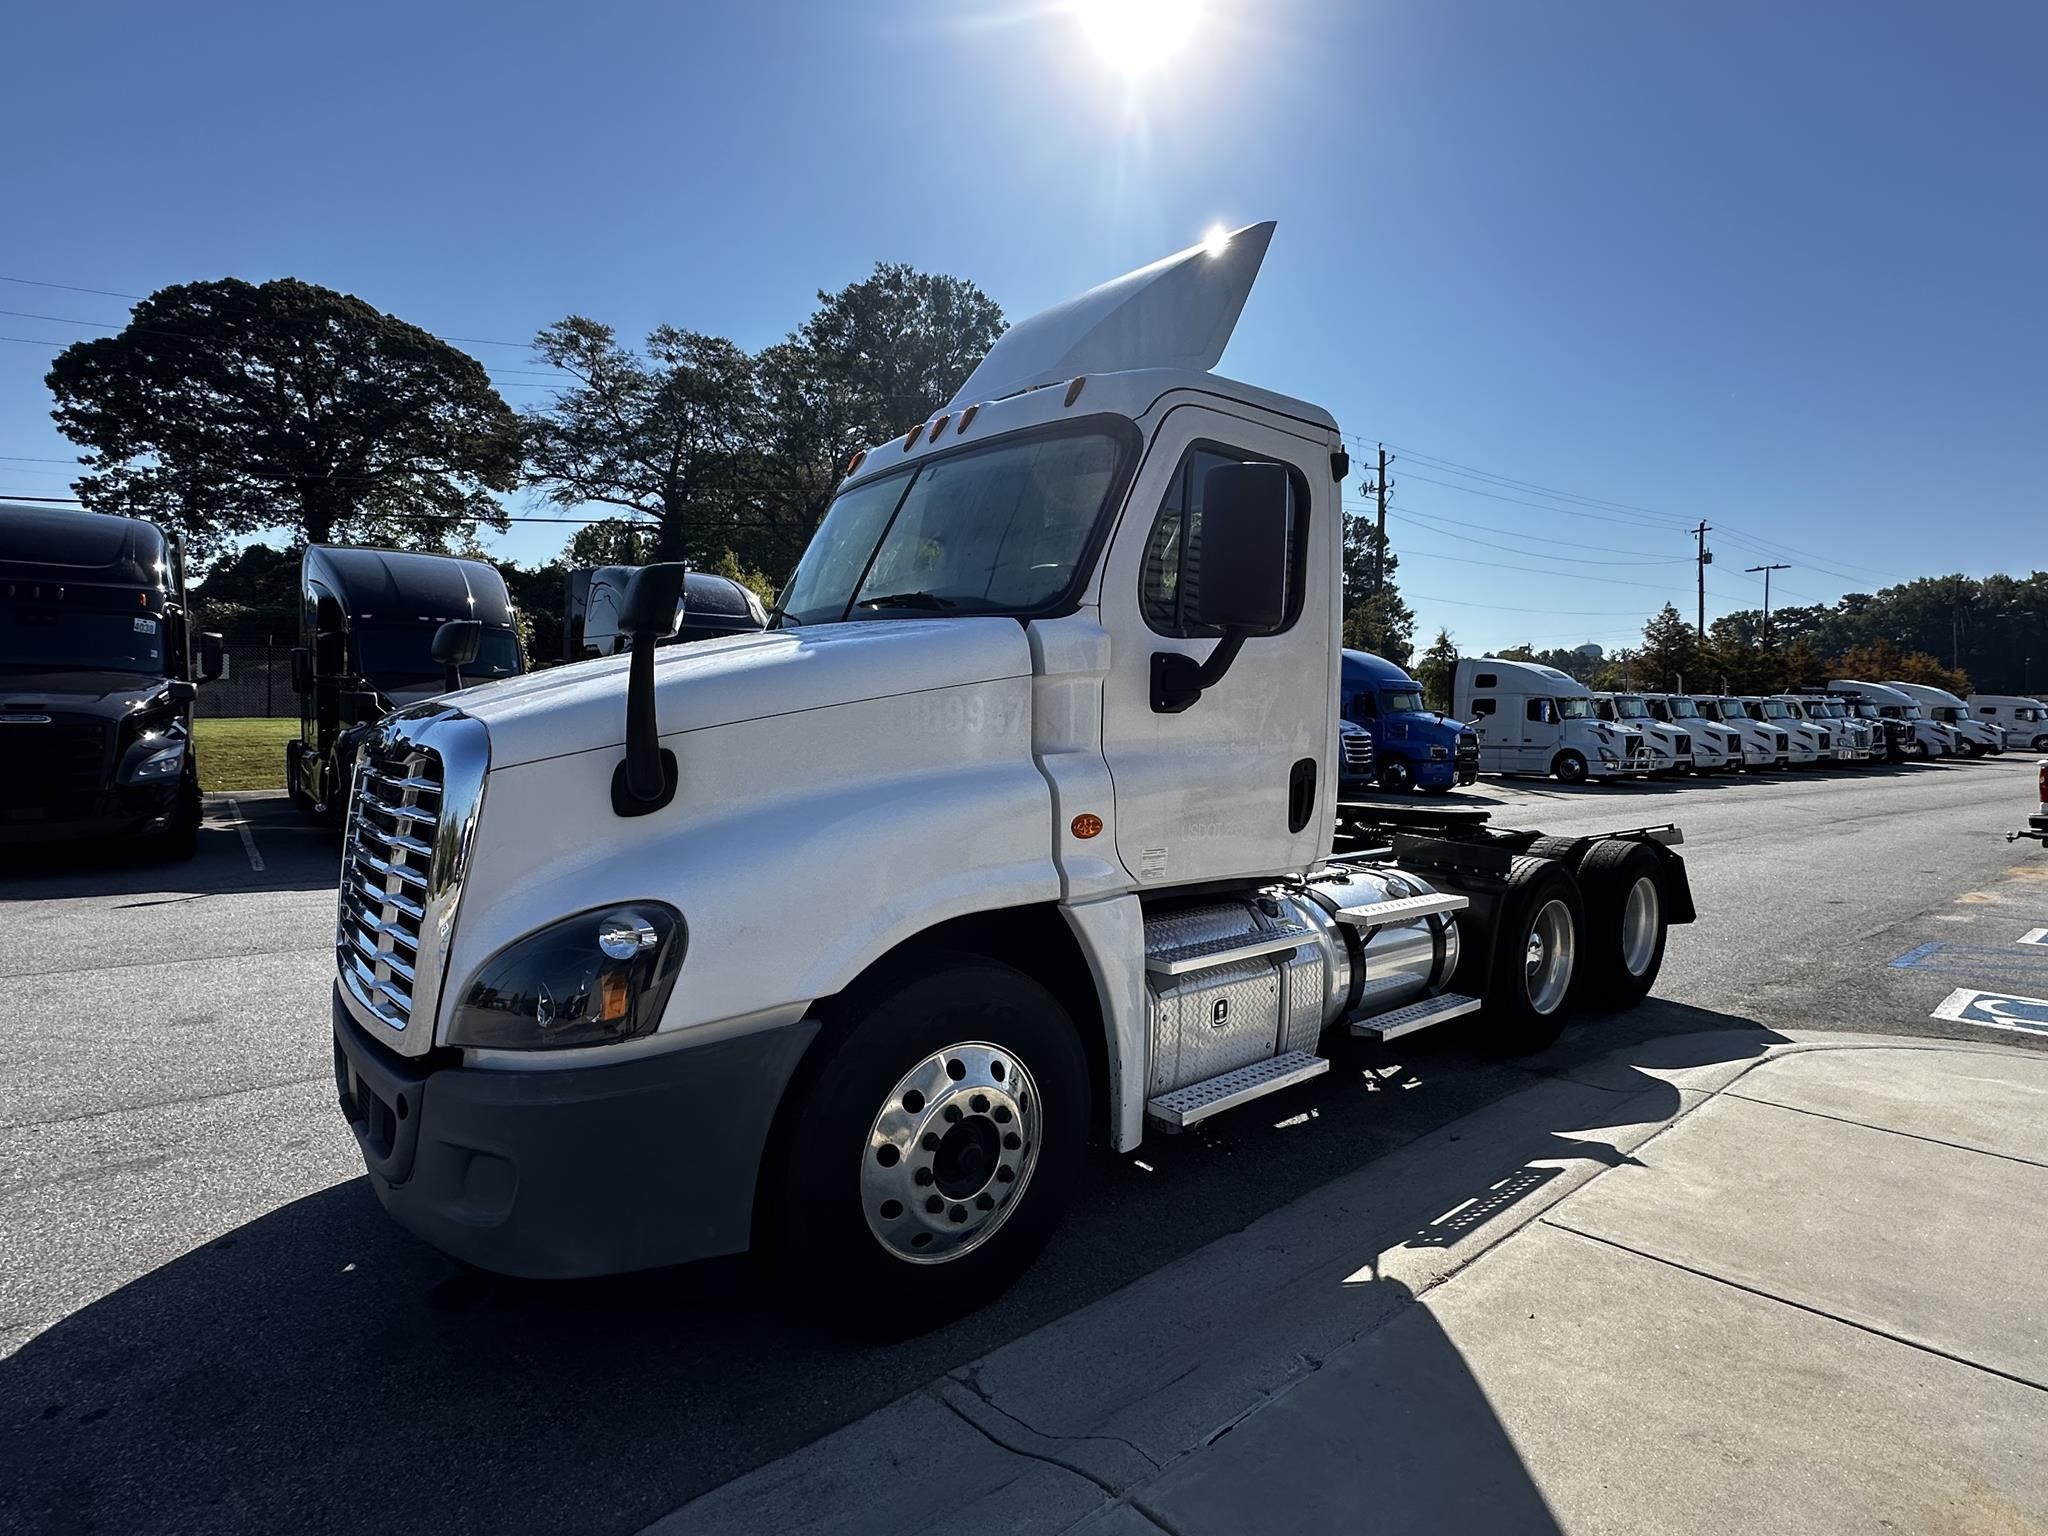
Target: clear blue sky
{"type": "Point", "coordinates": [1780, 266]}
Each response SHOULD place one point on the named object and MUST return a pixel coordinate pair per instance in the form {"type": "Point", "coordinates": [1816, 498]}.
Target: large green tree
{"type": "Point", "coordinates": [227, 407]}
{"type": "Point", "coordinates": [1375, 617]}
{"type": "Point", "coordinates": [1436, 669]}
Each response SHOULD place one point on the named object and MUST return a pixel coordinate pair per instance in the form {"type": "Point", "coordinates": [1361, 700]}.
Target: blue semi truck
{"type": "Point", "coordinates": [1413, 747]}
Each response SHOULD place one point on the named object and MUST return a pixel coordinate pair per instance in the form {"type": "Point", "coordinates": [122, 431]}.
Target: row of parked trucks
{"type": "Point", "coordinates": [1520, 717]}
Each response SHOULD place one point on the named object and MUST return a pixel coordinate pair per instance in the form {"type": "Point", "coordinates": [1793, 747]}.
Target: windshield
{"type": "Point", "coordinates": [1002, 529]}
{"type": "Point", "coordinates": [1710, 709]}
{"type": "Point", "coordinates": [59, 638]}
{"type": "Point", "coordinates": [1403, 701]}
{"type": "Point", "coordinates": [1734, 709]}
{"type": "Point", "coordinates": [1683, 709]}
{"type": "Point", "coordinates": [401, 656]}
{"type": "Point", "coordinates": [1575, 709]}
{"type": "Point", "coordinates": [1774, 709]}
{"type": "Point", "coordinates": [1947, 712]}
{"type": "Point", "coordinates": [1632, 709]}
{"type": "Point", "coordinates": [1822, 709]}
{"type": "Point", "coordinates": [1867, 712]}
{"type": "Point", "coordinates": [1912, 712]}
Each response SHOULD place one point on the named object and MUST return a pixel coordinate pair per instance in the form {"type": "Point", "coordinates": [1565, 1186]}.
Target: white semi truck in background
{"type": "Point", "coordinates": [1973, 737]}
{"type": "Point", "coordinates": [1670, 747]}
{"type": "Point", "coordinates": [1535, 719]}
{"type": "Point", "coordinates": [2024, 721]}
{"type": "Point", "coordinates": [1926, 738]}
{"type": "Point", "coordinates": [1016, 828]}
{"type": "Point", "coordinates": [1713, 746]}
{"type": "Point", "coordinates": [1764, 745]}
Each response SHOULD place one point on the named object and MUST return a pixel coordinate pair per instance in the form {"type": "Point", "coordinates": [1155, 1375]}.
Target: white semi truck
{"type": "Point", "coordinates": [1713, 746]}
{"type": "Point", "coordinates": [1764, 745]}
{"type": "Point", "coordinates": [2024, 721]}
{"type": "Point", "coordinates": [1530, 718]}
{"type": "Point", "coordinates": [1670, 747]}
{"type": "Point", "coordinates": [1926, 738]}
{"type": "Point", "coordinates": [1973, 737]}
{"type": "Point", "coordinates": [1016, 828]}
{"type": "Point", "coordinates": [1853, 740]}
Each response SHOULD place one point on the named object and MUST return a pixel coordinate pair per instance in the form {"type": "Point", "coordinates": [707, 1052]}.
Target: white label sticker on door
{"type": "Point", "coordinates": [1152, 864]}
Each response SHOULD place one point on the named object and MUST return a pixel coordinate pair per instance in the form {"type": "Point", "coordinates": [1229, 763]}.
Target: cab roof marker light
{"type": "Point", "coordinates": [854, 463]}
{"type": "Point", "coordinates": [1074, 389]}
{"type": "Point", "coordinates": [938, 427]}
{"type": "Point", "coordinates": [910, 438]}
{"type": "Point", "coordinates": [966, 416]}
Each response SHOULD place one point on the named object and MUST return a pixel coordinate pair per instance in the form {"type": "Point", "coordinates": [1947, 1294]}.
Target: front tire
{"type": "Point", "coordinates": [1570, 768]}
{"type": "Point", "coordinates": [1396, 776]}
{"type": "Point", "coordinates": [1622, 883]}
{"type": "Point", "coordinates": [1536, 946]}
{"type": "Point", "coordinates": [933, 1145]}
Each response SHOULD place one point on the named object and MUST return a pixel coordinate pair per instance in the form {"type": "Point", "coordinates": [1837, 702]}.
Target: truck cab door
{"type": "Point", "coordinates": [1542, 730]}
{"type": "Point", "coordinates": [1487, 724]}
{"type": "Point", "coordinates": [1237, 783]}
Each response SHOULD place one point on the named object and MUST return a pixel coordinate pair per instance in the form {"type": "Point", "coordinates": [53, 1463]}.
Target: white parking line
{"type": "Point", "coordinates": [248, 837]}
{"type": "Point", "coordinates": [2034, 936]}
{"type": "Point", "coordinates": [1995, 1010]}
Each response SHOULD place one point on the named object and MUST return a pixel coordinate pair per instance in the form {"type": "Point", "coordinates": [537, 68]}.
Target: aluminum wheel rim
{"type": "Point", "coordinates": [1547, 962]}
{"type": "Point", "coordinates": [1639, 918]}
{"type": "Point", "coordinates": [950, 1152]}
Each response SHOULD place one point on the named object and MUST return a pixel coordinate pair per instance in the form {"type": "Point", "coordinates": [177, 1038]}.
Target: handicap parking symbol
{"type": "Point", "coordinates": [1996, 1010]}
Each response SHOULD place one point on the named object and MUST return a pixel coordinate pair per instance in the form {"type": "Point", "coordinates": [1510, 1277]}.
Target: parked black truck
{"type": "Point", "coordinates": [97, 679]}
{"type": "Point", "coordinates": [367, 625]}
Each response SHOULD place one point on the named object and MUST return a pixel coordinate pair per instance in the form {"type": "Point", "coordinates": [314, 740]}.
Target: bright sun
{"type": "Point", "coordinates": [1137, 37]}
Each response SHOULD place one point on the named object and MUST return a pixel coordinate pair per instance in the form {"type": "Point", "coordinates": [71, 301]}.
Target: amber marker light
{"type": "Point", "coordinates": [1087, 824]}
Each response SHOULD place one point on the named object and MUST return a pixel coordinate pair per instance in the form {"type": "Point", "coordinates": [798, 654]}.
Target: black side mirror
{"type": "Point", "coordinates": [213, 657]}
{"type": "Point", "coordinates": [366, 704]}
{"type": "Point", "coordinates": [1238, 574]}
{"type": "Point", "coordinates": [302, 669]}
{"type": "Point", "coordinates": [179, 691]}
{"type": "Point", "coordinates": [455, 647]}
{"type": "Point", "coordinates": [650, 611]}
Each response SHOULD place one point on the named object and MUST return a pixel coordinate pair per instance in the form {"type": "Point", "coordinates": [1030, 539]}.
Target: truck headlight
{"type": "Point", "coordinates": [1608, 758]}
{"type": "Point", "coordinates": [1439, 754]}
{"type": "Point", "coordinates": [146, 766]}
{"type": "Point", "coordinates": [587, 980]}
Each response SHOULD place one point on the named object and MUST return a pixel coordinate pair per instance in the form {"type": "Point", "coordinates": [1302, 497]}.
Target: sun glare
{"type": "Point", "coordinates": [1217, 240]}
{"type": "Point", "coordinates": [1138, 37]}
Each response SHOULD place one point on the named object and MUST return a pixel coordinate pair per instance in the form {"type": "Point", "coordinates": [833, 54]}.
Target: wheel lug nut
{"type": "Point", "coordinates": [980, 1103]}
{"type": "Point", "coordinates": [958, 1213]}
{"type": "Point", "coordinates": [922, 1177]}
{"type": "Point", "coordinates": [935, 1205]}
{"type": "Point", "coordinates": [984, 1202]}
{"type": "Point", "coordinates": [1002, 1114]}
{"type": "Point", "coordinates": [1012, 1140]}
{"type": "Point", "coordinates": [952, 1114]}
{"type": "Point", "coordinates": [1004, 1174]}
{"type": "Point", "coordinates": [930, 1142]}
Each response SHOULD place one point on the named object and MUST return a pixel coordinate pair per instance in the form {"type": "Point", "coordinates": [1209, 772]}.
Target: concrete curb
{"type": "Point", "coordinates": [1065, 1426]}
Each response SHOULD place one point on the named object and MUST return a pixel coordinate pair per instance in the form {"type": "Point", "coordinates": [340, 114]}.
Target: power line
{"type": "Point", "coordinates": [1445, 529]}
{"type": "Point", "coordinates": [1516, 533]}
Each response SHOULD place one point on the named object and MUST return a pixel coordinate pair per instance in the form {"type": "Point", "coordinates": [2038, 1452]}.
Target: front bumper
{"type": "Point", "coordinates": [128, 810]}
{"type": "Point", "coordinates": [568, 1172]}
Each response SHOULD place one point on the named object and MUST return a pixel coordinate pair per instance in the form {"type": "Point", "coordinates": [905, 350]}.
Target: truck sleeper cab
{"type": "Point", "coordinates": [1971, 737]}
{"type": "Point", "coordinates": [1670, 747]}
{"type": "Point", "coordinates": [1713, 749]}
{"type": "Point", "coordinates": [1033, 761]}
{"type": "Point", "coordinates": [2025, 720]}
{"type": "Point", "coordinates": [1535, 719]}
{"type": "Point", "coordinates": [1413, 747]}
{"type": "Point", "coordinates": [1923, 738]}
{"type": "Point", "coordinates": [97, 680]}
{"type": "Point", "coordinates": [367, 622]}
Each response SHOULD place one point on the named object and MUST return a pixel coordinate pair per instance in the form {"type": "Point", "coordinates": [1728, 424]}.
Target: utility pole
{"type": "Point", "coordinates": [1767, 569]}
{"type": "Point", "coordinates": [1379, 554]}
{"type": "Point", "coordinates": [1706, 559]}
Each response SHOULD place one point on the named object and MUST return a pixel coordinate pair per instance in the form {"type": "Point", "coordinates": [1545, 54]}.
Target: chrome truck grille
{"type": "Point", "coordinates": [412, 814]}
{"type": "Point", "coordinates": [1357, 750]}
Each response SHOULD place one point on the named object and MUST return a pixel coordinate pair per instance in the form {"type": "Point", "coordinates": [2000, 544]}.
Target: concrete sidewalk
{"type": "Point", "coordinates": [1725, 1282]}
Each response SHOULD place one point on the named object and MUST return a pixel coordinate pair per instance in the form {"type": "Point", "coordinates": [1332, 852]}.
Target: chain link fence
{"type": "Point", "coordinates": [258, 682]}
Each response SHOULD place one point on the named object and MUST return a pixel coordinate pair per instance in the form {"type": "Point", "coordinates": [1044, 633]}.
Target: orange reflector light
{"type": "Point", "coordinates": [854, 463]}
{"type": "Point", "coordinates": [910, 437]}
{"type": "Point", "coordinates": [611, 989]}
{"type": "Point", "coordinates": [938, 427]}
{"type": "Point", "coordinates": [965, 417]}
{"type": "Point", "coordinates": [1074, 389]}
{"type": "Point", "coordinates": [1087, 824]}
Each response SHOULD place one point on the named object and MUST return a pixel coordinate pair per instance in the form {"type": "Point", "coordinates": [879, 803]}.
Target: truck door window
{"type": "Point", "coordinates": [1481, 708]}
{"type": "Point", "coordinates": [1541, 711]}
{"type": "Point", "coordinates": [1173, 550]}
{"type": "Point", "coordinates": [1364, 706]}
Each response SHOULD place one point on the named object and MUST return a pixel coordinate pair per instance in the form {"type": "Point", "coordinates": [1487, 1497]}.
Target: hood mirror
{"type": "Point", "coordinates": [455, 647]}
{"type": "Point", "coordinates": [650, 611]}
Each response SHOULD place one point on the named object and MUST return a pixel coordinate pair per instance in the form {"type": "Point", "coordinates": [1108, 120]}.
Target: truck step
{"type": "Point", "coordinates": [1401, 910]}
{"type": "Point", "coordinates": [1405, 1021]}
{"type": "Point", "coordinates": [1209, 954]}
{"type": "Point", "coordinates": [1198, 1101]}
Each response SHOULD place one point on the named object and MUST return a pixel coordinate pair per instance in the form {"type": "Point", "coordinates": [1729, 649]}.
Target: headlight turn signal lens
{"type": "Point", "coordinates": [588, 980]}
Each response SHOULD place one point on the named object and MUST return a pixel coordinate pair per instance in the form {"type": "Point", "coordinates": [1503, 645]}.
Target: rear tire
{"type": "Point", "coordinates": [960, 1085]}
{"type": "Point", "coordinates": [1539, 920]}
{"type": "Point", "coordinates": [1570, 768]}
{"type": "Point", "coordinates": [1623, 886]}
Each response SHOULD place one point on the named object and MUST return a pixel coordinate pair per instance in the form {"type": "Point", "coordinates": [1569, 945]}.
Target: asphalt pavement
{"type": "Point", "coordinates": [206, 1323]}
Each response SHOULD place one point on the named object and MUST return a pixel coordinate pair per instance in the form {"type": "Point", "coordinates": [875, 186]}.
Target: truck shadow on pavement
{"type": "Point", "coordinates": [317, 1368]}
{"type": "Point", "coordinates": [245, 844]}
